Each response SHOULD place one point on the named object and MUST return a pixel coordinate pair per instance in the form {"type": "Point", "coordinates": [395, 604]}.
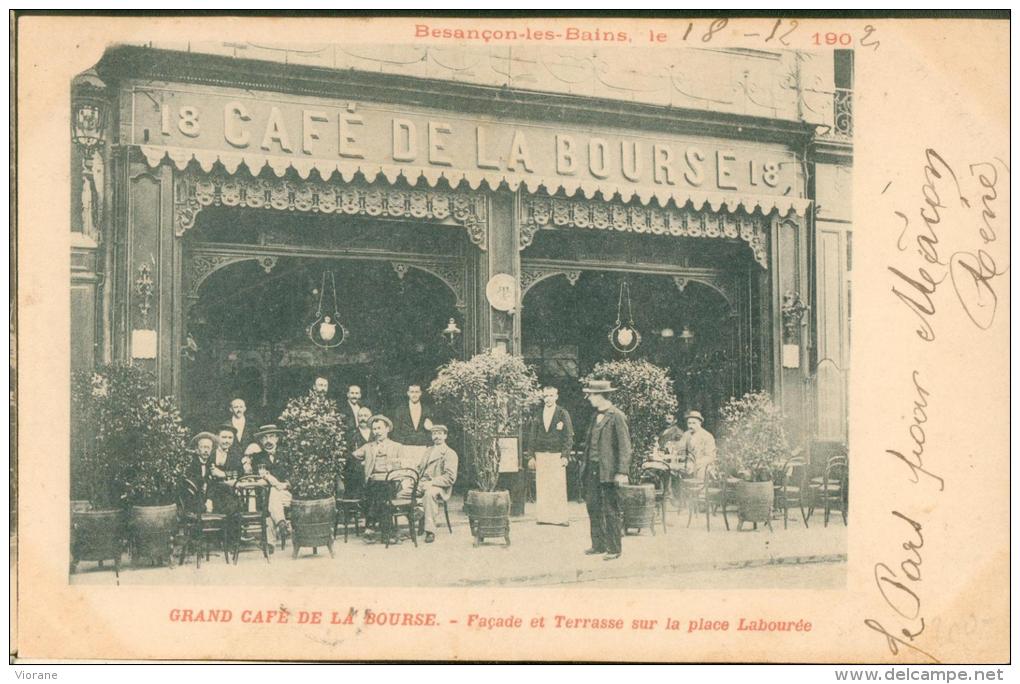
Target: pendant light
{"type": "Point", "coordinates": [624, 337]}
{"type": "Point", "coordinates": [326, 331]}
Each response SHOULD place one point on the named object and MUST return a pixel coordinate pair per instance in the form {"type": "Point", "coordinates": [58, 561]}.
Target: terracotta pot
{"type": "Point", "coordinates": [488, 514]}
{"type": "Point", "coordinates": [152, 532]}
{"type": "Point", "coordinates": [754, 501]}
{"type": "Point", "coordinates": [96, 536]}
{"type": "Point", "coordinates": [313, 521]}
{"type": "Point", "coordinates": [637, 503]}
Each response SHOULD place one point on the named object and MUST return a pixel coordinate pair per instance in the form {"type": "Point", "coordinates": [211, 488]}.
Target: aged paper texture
{"type": "Point", "coordinates": [243, 205]}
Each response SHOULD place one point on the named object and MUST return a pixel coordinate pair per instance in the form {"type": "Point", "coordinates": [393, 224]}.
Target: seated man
{"type": "Point", "coordinates": [438, 473]}
{"type": "Point", "coordinates": [203, 492]}
{"type": "Point", "coordinates": [697, 446]}
{"type": "Point", "coordinates": [228, 463]}
{"type": "Point", "coordinates": [265, 457]}
{"type": "Point", "coordinates": [381, 456]}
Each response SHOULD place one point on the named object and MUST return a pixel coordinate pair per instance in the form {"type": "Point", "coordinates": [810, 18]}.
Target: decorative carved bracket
{"type": "Point", "coordinates": [534, 275]}
{"type": "Point", "coordinates": [451, 274]}
{"type": "Point", "coordinates": [193, 192]}
{"type": "Point", "coordinates": [541, 212]}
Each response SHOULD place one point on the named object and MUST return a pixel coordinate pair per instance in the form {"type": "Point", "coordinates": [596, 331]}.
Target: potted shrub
{"type": "Point", "coordinates": [103, 403]}
{"type": "Point", "coordinates": [645, 395]}
{"type": "Point", "coordinates": [154, 461]}
{"type": "Point", "coordinates": [753, 446]}
{"type": "Point", "coordinates": [313, 450]}
{"type": "Point", "coordinates": [489, 396]}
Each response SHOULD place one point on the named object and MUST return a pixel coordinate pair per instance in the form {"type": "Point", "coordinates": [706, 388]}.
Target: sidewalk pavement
{"type": "Point", "coordinates": [539, 555]}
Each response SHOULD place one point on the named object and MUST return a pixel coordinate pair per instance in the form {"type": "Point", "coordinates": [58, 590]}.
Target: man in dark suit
{"type": "Point", "coordinates": [412, 423]}
{"type": "Point", "coordinates": [548, 441]}
{"type": "Point", "coordinates": [607, 454]}
{"type": "Point", "coordinates": [203, 491]}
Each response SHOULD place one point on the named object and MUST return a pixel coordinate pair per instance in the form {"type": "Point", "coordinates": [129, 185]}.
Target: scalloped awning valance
{"type": "Point", "coordinates": [346, 171]}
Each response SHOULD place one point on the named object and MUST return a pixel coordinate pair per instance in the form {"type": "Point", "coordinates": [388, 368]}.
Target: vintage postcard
{"type": "Point", "coordinates": [512, 339]}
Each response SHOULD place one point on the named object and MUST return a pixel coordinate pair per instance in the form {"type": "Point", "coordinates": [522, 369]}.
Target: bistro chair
{"type": "Point", "coordinates": [792, 488]}
{"type": "Point", "coordinates": [830, 490]}
{"type": "Point", "coordinates": [253, 494]}
{"type": "Point", "coordinates": [348, 512]}
{"type": "Point", "coordinates": [401, 480]}
{"type": "Point", "coordinates": [657, 473]}
{"type": "Point", "coordinates": [201, 530]}
{"type": "Point", "coordinates": [707, 489]}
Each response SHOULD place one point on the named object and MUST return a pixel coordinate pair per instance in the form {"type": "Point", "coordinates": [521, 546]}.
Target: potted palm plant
{"type": "Point", "coordinates": [153, 464]}
{"type": "Point", "coordinates": [102, 405]}
{"type": "Point", "coordinates": [753, 446]}
{"type": "Point", "coordinates": [489, 396]}
{"type": "Point", "coordinates": [313, 451]}
{"type": "Point", "coordinates": [645, 395]}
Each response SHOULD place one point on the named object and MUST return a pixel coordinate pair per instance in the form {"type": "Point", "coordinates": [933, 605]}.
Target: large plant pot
{"type": "Point", "coordinates": [96, 536]}
{"type": "Point", "coordinates": [313, 521]}
{"type": "Point", "coordinates": [488, 514]}
{"type": "Point", "coordinates": [152, 532]}
{"type": "Point", "coordinates": [637, 504]}
{"type": "Point", "coordinates": [754, 502]}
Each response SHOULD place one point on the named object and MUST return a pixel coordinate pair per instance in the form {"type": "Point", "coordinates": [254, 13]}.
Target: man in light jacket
{"type": "Point", "coordinates": [438, 473]}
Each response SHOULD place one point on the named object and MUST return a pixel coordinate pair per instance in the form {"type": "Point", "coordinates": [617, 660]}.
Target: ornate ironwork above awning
{"type": "Point", "coordinates": [555, 212]}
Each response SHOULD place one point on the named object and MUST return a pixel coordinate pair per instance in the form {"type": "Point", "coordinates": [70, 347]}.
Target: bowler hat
{"type": "Point", "coordinates": [695, 414]}
{"type": "Point", "coordinates": [598, 387]}
{"type": "Point", "coordinates": [379, 416]}
{"type": "Point", "coordinates": [193, 445]}
{"type": "Point", "coordinates": [269, 429]}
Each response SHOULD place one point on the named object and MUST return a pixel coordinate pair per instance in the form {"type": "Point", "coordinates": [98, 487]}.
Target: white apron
{"type": "Point", "coordinates": [550, 489]}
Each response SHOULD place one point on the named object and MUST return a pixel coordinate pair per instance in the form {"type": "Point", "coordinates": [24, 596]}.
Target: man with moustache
{"type": "Point", "coordinates": [438, 474]}
{"type": "Point", "coordinates": [550, 436]}
{"type": "Point", "coordinates": [242, 425]}
{"type": "Point", "coordinates": [606, 463]}
{"type": "Point", "coordinates": [412, 422]}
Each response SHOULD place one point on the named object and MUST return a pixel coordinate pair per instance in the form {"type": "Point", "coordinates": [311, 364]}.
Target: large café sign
{"type": "Point", "coordinates": [234, 126]}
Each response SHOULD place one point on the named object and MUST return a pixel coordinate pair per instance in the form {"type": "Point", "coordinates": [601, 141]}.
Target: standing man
{"type": "Point", "coordinates": [550, 437]}
{"type": "Point", "coordinates": [320, 385]}
{"type": "Point", "coordinates": [438, 473]}
{"type": "Point", "coordinates": [411, 424]}
{"type": "Point", "coordinates": [239, 419]}
{"type": "Point", "coordinates": [607, 455]}
{"type": "Point", "coordinates": [353, 406]}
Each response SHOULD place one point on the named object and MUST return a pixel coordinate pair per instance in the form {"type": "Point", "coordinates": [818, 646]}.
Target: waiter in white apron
{"type": "Point", "coordinates": [550, 437]}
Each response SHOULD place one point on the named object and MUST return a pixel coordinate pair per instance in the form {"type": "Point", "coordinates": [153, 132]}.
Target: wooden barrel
{"type": "Point", "coordinates": [152, 532]}
{"type": "Point", "coordinates": [637, 503]}
{"type": "Point", "coordinates": [96, 535]}
{"type": "Point", "coordinates": [488, 513]}
{"type": "Point", "coordinates": [313, 522]}
{"type": "Point", "coordinates": [754, 501]}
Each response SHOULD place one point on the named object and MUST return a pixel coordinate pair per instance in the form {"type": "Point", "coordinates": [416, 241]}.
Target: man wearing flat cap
{"type": "Point", "coordinates": [697, 445]}
{"type": "Point", "coordinates": [606, 463]}
{"type": "Point", "coordinates": [438, 473]}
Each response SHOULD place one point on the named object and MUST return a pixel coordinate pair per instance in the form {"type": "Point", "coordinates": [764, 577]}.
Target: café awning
{"type": "Point", "coordinates": [332, 170]}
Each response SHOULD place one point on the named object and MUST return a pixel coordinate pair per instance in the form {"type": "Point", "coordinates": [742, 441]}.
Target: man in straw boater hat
{"type": "Point", "coordinates": [606, 464]}
{"type": "Point", "coordinates": [438, 473]}
{"type": "Point", "coordinates": [203, 491]}
{"type": "Point", "coordinates": [697, 445]}
{"type": "Point", "coordinates": [265, 455]}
